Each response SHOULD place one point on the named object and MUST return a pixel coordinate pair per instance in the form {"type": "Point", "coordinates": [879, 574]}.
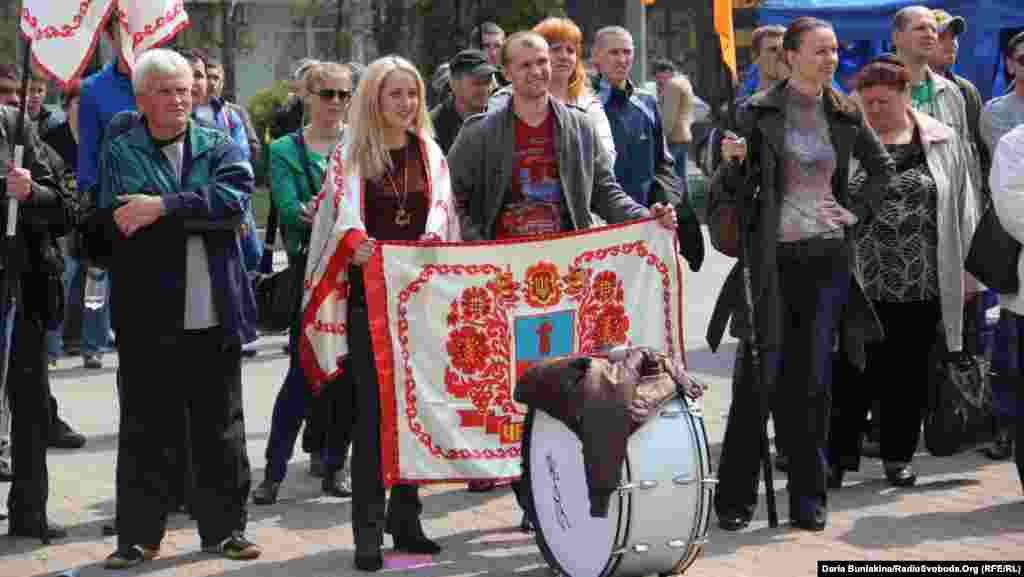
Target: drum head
{"type": "Point", "coordinates": [570, 539]}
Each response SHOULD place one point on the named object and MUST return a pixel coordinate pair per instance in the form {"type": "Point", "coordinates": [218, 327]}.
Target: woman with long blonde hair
{"type": "Point", "coordinates": [388, 180]}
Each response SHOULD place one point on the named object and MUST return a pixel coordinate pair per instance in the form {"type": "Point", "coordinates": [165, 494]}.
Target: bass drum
{"type": "Point", "coordinates": [658, 519]}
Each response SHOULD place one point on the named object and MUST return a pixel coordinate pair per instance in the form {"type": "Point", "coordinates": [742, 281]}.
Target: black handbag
{"type": "Point", "coordinates": [959, 403]}
{"type": "Point", "coordinates": [279, 293]}
{"type": "Point", "coordinates": [994, 255]}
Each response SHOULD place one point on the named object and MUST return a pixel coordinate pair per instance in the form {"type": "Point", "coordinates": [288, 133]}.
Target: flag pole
{"type": "Point", "coordinates": [8, 288]}
{"type": "Point", "coordinates": [754, 367]}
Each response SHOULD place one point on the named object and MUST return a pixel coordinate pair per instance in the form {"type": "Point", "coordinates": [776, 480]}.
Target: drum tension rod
{"type": "Point", "coordinates": [645, 485]}
{"type": "Point", "coordinates": [638, 548]}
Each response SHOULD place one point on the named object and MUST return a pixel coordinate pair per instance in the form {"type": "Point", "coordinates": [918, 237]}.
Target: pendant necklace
{"type": "Point", "coordinates": [403, 217]}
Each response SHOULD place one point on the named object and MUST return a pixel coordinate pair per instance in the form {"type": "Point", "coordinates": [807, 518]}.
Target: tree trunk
{"type": "Point", "coordinates": [339, 27]}
{"type": "Point", "coordinates": [228, 49]}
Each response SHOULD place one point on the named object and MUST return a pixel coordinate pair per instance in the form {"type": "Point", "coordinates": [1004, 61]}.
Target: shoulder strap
{"type": "Point", "coordinates": [300, 141]}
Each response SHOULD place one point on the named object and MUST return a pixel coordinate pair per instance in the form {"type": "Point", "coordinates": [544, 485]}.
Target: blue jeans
{"type": "Point", "coordinates": [679, 151]}
{"type": "Point", "coordinates": [95, 322]}
{"type": "Point", "coordinates": [252, 247]}
{"type": "Point", "coordinates": [289, 413]}
{"type": "Point", "coordinates": [72, 297]}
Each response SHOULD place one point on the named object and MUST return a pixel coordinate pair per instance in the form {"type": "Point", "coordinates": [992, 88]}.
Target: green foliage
{"type": "Point", "coordinates": [526, 14]}
{"type": "Point", "coordinates": [263, 103]}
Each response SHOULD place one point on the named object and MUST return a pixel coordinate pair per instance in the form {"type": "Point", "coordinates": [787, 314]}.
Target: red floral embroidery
{"type": "Point", "coordinates": [612, 326]}
{"type": "Point", "coordinates": [605, 286]}
{"type": "Point", "coordinates": [63, 31]}
{"type": "Point", "coordinates": [478, 345]}
{"type": "Point", "coordinates": [468, 349]}
{"type": "Point", "coordinates": [543, 285]}
{"type": "Point", "coordinates": [576, 281]}
{"type": "Point", "coordinates": [479, 342]}
{"type": "Point", "coordinates": [476, 303]}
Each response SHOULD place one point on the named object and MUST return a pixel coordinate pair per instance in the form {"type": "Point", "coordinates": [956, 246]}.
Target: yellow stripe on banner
{"type": "Point", "coordinates": [726, 33]}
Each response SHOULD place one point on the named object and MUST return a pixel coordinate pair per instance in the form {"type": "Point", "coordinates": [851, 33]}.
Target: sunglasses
{"type": "Point", "coordinates": [1019, 60]}
{"type": "Point", "coordinates": [329, 94]}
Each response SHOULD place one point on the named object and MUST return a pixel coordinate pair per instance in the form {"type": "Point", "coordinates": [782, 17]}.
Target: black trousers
{"type": "Point", "coordinates": [897, 375]}
{"type": "Point", "coordinates": [814, 281]}
{"type": "Point", "coordinates": [368, 502]}
{"type": "Point", "coordinates": [183, 386]}
{"type": "Point", "coordinates": [28, 388]}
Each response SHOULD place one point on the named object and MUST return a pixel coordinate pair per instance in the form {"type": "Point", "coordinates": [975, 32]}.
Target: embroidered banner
{"type": "Point", "coordinates": [64, 32]}
{"type": "Point", "coordinates": [454, 325]}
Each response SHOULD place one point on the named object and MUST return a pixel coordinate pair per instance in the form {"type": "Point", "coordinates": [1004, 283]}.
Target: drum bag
{"type": "Point", "coordinates": [603, 403]}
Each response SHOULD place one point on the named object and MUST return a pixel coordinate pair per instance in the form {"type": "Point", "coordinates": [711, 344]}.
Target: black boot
{"type": "Point", "coordinates": [35, 525]}
{"type": "Point", "coordinates": [368, 555]}
{"type": "Point", "coordinates": [408, 536]}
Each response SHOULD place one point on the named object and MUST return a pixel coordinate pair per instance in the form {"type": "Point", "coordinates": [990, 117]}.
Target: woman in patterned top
{"type": "Point", "coordinates": [909, 258]}
{"type": "Point", "coordinates": [802, 135]}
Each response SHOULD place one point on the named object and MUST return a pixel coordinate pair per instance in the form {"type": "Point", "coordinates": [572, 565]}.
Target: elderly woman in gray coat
{"type": "Point", "coordinates": [909, 259]}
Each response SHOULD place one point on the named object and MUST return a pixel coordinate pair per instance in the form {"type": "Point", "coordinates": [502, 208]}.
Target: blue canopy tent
{"type": "Point", "coordinates": [870, 21]}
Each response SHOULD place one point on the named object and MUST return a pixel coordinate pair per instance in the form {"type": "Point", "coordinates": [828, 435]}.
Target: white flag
{"type": "Point", "coordinates": [64, 33]}
{"type": "Point", "coordinates": [148, 23]}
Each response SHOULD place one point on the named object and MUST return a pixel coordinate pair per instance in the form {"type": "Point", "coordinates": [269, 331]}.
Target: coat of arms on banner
{"type": "Point", "coordinates": [466, 320]}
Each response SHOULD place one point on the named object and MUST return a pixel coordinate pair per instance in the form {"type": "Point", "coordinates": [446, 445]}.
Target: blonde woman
{"type": "Point", "coordinates": [297, 164]}
{"type": "Point", "coordinates": [388, 181]}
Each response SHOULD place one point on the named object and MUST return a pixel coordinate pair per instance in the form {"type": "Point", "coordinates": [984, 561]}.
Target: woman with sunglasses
{"type": "Point", "coordinates": [801, 136]}
{"type": "Point", "coordinates": [388, 180]}
{"type": "Point", "coordinates": [909, 259]}
{"type": "Point", "coordinates": [297, 164]}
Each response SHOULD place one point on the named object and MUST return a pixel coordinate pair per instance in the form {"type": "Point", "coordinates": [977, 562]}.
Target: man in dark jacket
{"type": "Point", "coordinates": [169, 202]}
{"type": "Point", "coordinates": [495, 150]}
{"type": "Point", "coordinates": [215, 78]}
{"type": "Point", "coordinates": [942, 60]}
{"type": "Point", "coordinates": [643, 164]}
{"type": "Point", "coordinates": [35, 261]}
{"type": "Point", "coordinates": [471, 82]}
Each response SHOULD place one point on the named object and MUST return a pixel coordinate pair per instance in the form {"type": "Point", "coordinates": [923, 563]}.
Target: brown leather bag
{"type": "Point", "coordinates": [723, 227]}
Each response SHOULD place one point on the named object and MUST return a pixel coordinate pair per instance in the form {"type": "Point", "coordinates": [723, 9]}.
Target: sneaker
{"type": "Point", "coordinates": [235, 547]}
{"type": "Point", "coordinates": [92, 361]}
{"type": "Point", "coordinates": [131, 556]}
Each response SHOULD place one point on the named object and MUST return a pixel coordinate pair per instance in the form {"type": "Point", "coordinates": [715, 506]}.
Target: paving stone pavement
{"type": "Point", "coordinates": [964, 507]}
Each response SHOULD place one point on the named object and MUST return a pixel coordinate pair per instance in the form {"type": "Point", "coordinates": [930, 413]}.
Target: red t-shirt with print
{"type": "Point", "coordinates": [536, 204]}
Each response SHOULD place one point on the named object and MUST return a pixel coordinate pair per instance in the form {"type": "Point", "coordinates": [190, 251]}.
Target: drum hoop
{"type": "Point", "coordinates": [702, 528]}
{"type": "Point", "coordinates": [625, 511]}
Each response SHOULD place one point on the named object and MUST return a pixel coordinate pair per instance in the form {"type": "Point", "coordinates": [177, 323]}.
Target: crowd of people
{"type": "Point", "coordinates": [866, 207]}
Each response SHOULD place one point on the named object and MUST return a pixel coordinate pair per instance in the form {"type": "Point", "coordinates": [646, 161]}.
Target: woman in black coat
{"type": "Point", "coordinates": [793, 151]}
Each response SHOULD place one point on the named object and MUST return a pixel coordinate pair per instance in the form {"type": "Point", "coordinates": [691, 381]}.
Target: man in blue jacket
{"type": "Point", "coordinates": [169, 202]}
{"type": "Point", "coordinates": [643, 165]}
{"type": "Point", "coordinates": [103, 95]}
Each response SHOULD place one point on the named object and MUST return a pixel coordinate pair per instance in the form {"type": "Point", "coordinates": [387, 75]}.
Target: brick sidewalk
{"type": "Point", "coordinates": [964, 507]}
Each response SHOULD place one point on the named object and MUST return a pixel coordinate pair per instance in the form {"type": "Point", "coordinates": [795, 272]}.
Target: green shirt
{"type": "Point", "coordinates": [923, 96]}
{"type": "Point", "coordinates": [290, 188]}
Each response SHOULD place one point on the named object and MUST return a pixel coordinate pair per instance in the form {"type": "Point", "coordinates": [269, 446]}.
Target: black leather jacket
{"type": "Point", "coordinates": [44, 217]}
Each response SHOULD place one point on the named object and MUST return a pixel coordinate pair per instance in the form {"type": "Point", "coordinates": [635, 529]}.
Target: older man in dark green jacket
{"type": "Point", "coordinates": [169, 202]}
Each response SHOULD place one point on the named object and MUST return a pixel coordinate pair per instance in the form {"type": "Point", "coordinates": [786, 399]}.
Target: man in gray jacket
{"type": "Point", "coordinates": [915, 35]}
{"type": "Point", "coordinates": [532, 165]}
